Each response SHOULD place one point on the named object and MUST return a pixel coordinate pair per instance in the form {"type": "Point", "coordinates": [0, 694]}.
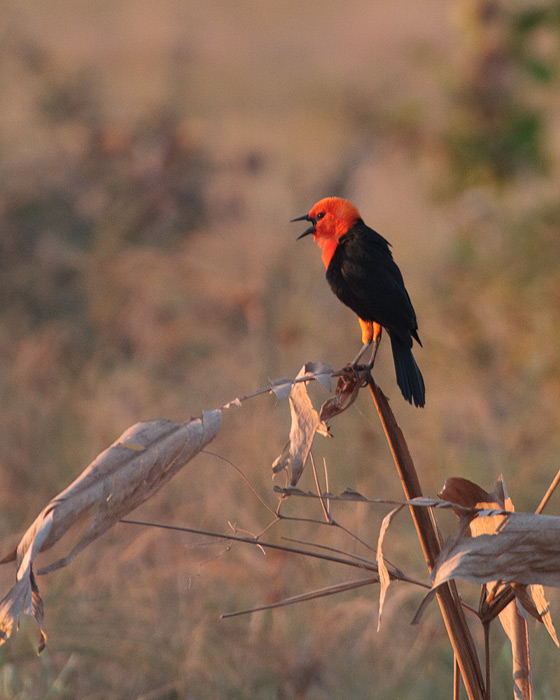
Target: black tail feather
{"type": "Point", "coordinates": [409, 377]}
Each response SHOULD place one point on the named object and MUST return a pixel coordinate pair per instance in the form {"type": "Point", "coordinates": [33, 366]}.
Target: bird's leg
{"type": "Point", "coordinates": [377, 331]}
{"type": "Point", "coordinates": [358, 357]}
{"type": "Point", "coordinates": [371, 333]}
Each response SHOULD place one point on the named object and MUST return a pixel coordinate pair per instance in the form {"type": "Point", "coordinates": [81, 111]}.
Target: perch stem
{"type": "Point", "coordinates": [447, 595]}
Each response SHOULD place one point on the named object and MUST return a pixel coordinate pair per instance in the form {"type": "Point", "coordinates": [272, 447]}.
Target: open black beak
{"type": "Point", "coordinates": [309, 230]}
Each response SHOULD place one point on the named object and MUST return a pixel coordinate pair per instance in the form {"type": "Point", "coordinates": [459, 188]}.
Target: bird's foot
{"type": "Point", "coordinates": [359, 372]}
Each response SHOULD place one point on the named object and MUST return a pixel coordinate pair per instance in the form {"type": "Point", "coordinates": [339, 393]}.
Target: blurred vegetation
{"type": "Point", "coordinates": [497, 127]}
{"type": "Point", "coordinates": [151, 161]}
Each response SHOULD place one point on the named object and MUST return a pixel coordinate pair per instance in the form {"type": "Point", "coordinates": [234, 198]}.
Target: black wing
{"type": "Point", "coordinates": [364, 276]}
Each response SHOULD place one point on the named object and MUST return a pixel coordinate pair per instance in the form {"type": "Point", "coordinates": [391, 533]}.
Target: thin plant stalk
{"type": "Point", "coordinates": [453, 615]}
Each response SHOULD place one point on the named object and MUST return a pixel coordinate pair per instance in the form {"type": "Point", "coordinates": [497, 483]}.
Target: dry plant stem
{"type": "Point", "coordinates": [549, 493]}
{"type": "Point", "coordinates": [487, 656]}
{"type": "Point", "coordinates": [358, 564]}
{"type": "Point", "coordinates": [486, 627]}
{"type": "Point", "coordinates": [456, 681]}
{"type": "Point", "coordinates": [324, 503]}
{"type": "Point", "coordinates": [448, 599]}
{"type": "Point", "coordinates": [270, 389]}
{"type": "Point", "coordinates": [242, 475]}
{"type": "Point", "coordinates": [313, 595]}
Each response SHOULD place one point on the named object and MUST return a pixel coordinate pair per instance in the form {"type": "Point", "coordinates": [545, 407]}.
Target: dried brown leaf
{"type": "Point", "coordinates": [282, 387]}
{"type": "Point", "coordinates": [318, 371]}
{"type": "Point", "coordinates": [282, 462]}
{"type": "Point", "coordinates": [384, 578]}
{"type": "Point", "coordinates": [519, 548]}
{"type": "Point", "coordinates": [347, 389]}
{"type": "Point", "coordinates": [513, 616]}
{"type": "Point", "coordinates": [305, 421]}
{"type": "Point", "coordinates": [321, 372]}
{"type": "Point", "coordinates": [463, 492]}
{"type": "Point", "coordinates": [525, 549]}
{"type": "Point", "coordinates": [524, 598]}
{"type": "Point", "coordinates": [543, 609]}
{"type": "Point", "coordinates": [122, 477]}
{"type": "Point", "coordinates": [515, 626]}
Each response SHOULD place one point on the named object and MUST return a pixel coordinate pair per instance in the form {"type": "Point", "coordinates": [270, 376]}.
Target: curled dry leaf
{"type": "Point", "coordinates": [514, 623]}
{"type": "Point", "coordinates": [522, 549]}
{"type": "Point", "coordinates": [347, 389]}
{"type": "Point", "coordinates": [464, 493]}
{"type": "Point", "coordinates": [507, 546]}
{"type": "Point", "coordinates": [526, 549]}
{"type": "Point", "coordinates": [130, 471]}
{"type": "Point", "coordinates": [318, 371]}
{"type": "Point", "coordinates": [281, 388]}
{"type": "Point", "coordinates": [512, 617]}
{"type": "Point", "coordinates": [384, 577]}
{"type": "Point", "coordinates": [305, 421]}
{"type": "Point", "coordinates": [321, 372]}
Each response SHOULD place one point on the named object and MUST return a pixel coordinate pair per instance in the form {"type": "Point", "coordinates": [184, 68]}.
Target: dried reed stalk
{"type": "Point", "coordinates": [448, 599]}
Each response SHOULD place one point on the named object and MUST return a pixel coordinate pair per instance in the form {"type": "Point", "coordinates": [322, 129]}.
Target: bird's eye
{"type": "Point", "coordinates": [320, 215]}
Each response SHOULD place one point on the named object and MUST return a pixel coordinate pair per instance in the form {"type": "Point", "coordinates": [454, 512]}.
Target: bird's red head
{"type": "Point", "coordinates": [330, 219]}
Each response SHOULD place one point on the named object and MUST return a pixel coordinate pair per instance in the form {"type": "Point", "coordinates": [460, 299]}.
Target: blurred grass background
{"type": "Point", "coordinates": [151, 156]}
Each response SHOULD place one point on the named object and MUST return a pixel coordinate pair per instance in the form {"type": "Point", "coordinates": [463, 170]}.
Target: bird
{"type": "Point", "coordinates": [363, 275]}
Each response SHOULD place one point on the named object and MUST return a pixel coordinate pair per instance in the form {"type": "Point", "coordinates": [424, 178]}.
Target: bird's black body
{"type": "Point", "coordinates": [364, 276]}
